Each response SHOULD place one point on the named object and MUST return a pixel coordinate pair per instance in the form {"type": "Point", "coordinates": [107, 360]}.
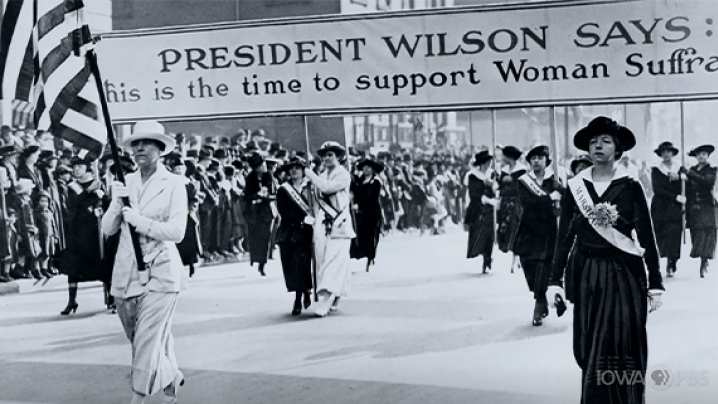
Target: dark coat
{"type": "Point", "coordinates": [664, 207]}
{"type": "Point", "coordinates": [295, 242]}
{"type": "Point", "coordinates": [701, 204]}
{"type": "Point", "coordinates": [82, 260]}
{"type": "Point", "coordinates": [259, 215]}
{"type": "Point", "coordinates": [190, 247]}
{"type": "Point", "coordinates": [368, 216]}
{"type": "Point", "coordinates": [536, 235]}
{"type": "Point", "coordinates": [479, 219]}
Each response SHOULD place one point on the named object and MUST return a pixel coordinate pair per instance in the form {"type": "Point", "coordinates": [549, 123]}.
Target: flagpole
{"type": "Point", "coordinates": [493, 164]}
{"type": "Point", "coordinates": [554, 146]}
{"type": "Point", "coordinates": [683, 164]}
{"type": "Point", "coordinates": [311, 210]}
{"type": "Point", "coordinates": [92, 60]}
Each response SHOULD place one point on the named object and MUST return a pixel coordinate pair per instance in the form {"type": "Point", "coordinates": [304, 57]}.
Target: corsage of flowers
{"type": "Point", "coordinates": [603, 214]}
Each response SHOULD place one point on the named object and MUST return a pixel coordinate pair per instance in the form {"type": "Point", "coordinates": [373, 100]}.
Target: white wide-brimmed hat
{"type": "Point", "coordinates": [151, 130]}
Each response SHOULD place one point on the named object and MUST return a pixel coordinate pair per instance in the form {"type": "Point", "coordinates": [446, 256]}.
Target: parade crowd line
{"type": "Point", "coordinates": [592, 234]}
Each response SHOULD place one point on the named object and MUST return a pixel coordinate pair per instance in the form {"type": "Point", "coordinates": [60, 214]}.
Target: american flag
{"type": "Point", "coordinates": [64, 92]}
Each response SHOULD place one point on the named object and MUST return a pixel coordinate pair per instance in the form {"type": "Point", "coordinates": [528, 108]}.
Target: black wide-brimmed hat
{"type": "Point", "coordinates": [511, 152]}
{"type": "Point", "coordinates": [704, 148]}
{"type": "Point", "coordinates": [9, 150]}
{"type": "Point", "coordinates": [604, 126]}
{"type": "Point", "coordinates": [481, 158]}
{"type": "Point", "coordinates": [582, 159]}
{"type": "Point", "coordinates": [539, 151]}
{"type": "Point", "coordinates": [76, 161]}
{"type": "Point", "coordinates": [331, 146]}
{"type": "Point", "coordinates": [255, 160]}
{"type": "Point", "coordinates": [375, 165]}
{"type": "Point", "coordinates": [666, 146]}
{"type": "Point", "coordinates": [294, 162]}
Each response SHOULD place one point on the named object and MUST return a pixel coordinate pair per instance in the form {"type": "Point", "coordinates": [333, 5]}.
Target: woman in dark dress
{"type": "Point", "coordinates": [82, 260]}
{"type": "Point", "coordinates": [480, 213]}
{"type": "Point", "coordinates": [609, 286]}
{"type": "Point", "coordinates": [509, 214]}
{"type": "Point", "coordinates": [366, 190]}
{"type": "Point", "coordinates": [259, 195]}
{"type": "Point", "coordinates": [701, 217]}
{"type": "Point", "coordinates": [667, 206]}
{"type": "Point", "coordinates": [294, 236]}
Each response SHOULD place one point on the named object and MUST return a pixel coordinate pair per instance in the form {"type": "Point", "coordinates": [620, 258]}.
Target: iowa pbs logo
{"type": "Point", "coordinates": [664, 378]}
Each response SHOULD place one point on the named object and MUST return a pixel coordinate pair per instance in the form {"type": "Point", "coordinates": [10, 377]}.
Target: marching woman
{"type": "Point", "coordinates": [539, 191]}
{"type": "Point", "coordinates": [146, 300]}
{"type": "Point", "coordinates": [82, 259]}
{"type": "Point", "coordinates": [295, 233]}
{"type": "Point", "coordinates": [259, 194]}
{"type": "Point", "coordinates": [701, 216]}
{"type": "Point", "coordinates": [480, 213]}
{"type": "Point", "coordinates": [333, 229]}
{"type": "Point", "coordinates": [366, 191]}
{"type": "Point", "coordinates": [509, 215]}
{"type": "Point", "coordinates": [667, 206]}
{"type": "Point", "coordinates": [606, 271]}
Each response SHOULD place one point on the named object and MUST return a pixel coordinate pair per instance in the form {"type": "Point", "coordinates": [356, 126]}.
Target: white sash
{"type": "Point", "coordinates": [585, 205]}
{"type": "Point", "coordinates": [532, 185]}
{"type": "Point", "coordinates": [296, 197]}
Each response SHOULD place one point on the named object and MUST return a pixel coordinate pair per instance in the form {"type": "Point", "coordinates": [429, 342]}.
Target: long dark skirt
{"type": "Point", "coordinates": [668, 238]}
{"type": "Point", "coordinates": [258, 241]}
{"type": "Point", "coordinates": [297, 264]}
{"type": "Point", "coordinates": [536, 273]}
{"type": "Point", "coordinates": [481, 237]}
{"type": "Point", "coordinates": [190, 247]}
{"type": "Point", "coordinates": [368, 228]}
{"type": "Point", "coordinates": [703, 243]}
{"type": "Point", "coordinates": [508, 221]}
{"type": "Point", "coordinates": [609, 326]}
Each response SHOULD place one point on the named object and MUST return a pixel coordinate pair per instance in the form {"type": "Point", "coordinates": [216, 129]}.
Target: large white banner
{"type": "Point", "coordinates": [564, 53]}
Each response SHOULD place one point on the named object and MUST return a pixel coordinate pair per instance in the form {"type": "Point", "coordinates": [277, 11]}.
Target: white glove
{"type": "Point", "coordinates": [684, 177]}
{"type": "Point", "coordinates": [654, 299]}
{"type": "Point", "coordinates": [308, 219]}
{"type": "Point", "coordinates": [119, 190]}
{"type": "Point", "coordinates": [555, 196]}
{"type": "Point", "coordinates": [132, 216]}
{"type": "Point", "coordinates": [681, 199]}
{"type": "Point", "coordinates": [494, 202]}
{"type": "Point", "coordinates": [551, 293]}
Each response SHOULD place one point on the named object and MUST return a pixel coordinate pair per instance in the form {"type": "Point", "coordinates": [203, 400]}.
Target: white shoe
{"type": "Point", "coordinates": [324, 305]}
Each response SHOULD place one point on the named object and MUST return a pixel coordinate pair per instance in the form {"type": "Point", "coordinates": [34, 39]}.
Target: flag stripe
{"type": "Point", "coordinates": [16, 39]}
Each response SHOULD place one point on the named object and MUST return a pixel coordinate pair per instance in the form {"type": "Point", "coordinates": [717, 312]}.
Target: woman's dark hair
{"type": "Point", "coordinates": [619, 147]}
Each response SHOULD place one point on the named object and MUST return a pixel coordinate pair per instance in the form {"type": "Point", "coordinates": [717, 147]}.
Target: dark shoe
{"type": "Point", "coordinates": [538, 314]}
{"type": "Point", "coordinates": [5, 279]}
{"type": "Point", "coordinates": [297, 310]}
{"type": "Point", "coordinates": [71, 308]}
{"type": "Point", "coordinates": [703, 268]}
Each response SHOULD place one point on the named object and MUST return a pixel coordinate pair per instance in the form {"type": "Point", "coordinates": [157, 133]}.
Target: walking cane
{"type": "Point", "coordinates": [311, 210]}
{"type": "Point", "coordinates": [683, 182]}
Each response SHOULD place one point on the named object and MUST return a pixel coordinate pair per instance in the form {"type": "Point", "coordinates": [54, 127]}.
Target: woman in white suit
{"type": "Point", "coordinates": [146, 300]}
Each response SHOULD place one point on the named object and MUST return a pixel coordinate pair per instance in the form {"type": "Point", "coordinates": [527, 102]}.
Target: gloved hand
{"type": "Point", "coordinates": [308, 219]}
{"type": "Point", "coordinates": [551, 293]}
{"type": "Point", "coordinates": [119, 190]}
{"type": "Point", "coordinates": [681, 199]}
{"type": "Point", "coordinates": [555, 196]}
{"type": "Point", "coordinates": [683, 176]}
{"type": "Point", "coordinates": [654, 299]}
{"type": "Point", "coordinates": [131, 215]}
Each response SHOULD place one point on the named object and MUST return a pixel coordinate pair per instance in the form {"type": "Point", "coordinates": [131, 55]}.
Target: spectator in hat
{"type": "Point", "coordinates": [480, 213]}
{"type": "Point", "coordinates": [295, 233]}
{"type": "Point", "coordinates": [8, 163]}
{"type": "Point", "coordinates": [190, 248]}
{"type": "Point", "coordinates": [65, 157]}
{"type": "Point", "coordinates": [46, 167]}
{"type": "Point", "coordinates": [26, 167]}
{"type": "Point", "coordinates": [6, 135]}
{"type": "Point", "coordinates": [667, 206]}
{"type": "Point", "coordinates": [366, 191]}
{"type": "Point", "coordinates": [701, 216]}
{"type": "Point", "coordinates": [259, 196]}
{"type": "Point", "coordinates": [28, 243]}
{"type": "Point", "coordinates": [48, 233]}
{"type": "Point", "coordinates": [580, 163]}
{"type": "Point", "coordinates": [146, 300]}
{"type": "Point", "coordinates": [333, 229]}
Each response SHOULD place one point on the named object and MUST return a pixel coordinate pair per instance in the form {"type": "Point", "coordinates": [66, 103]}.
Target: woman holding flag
{"type": "Point", "coordinates": [333, 229]}
{"type": "Point", "coordinates": [606, 271]}
{"type": "Point", "coordinates": [146, 300]}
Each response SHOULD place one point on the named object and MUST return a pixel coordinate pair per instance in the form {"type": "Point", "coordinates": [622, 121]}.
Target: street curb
{"type": "Point", "coordinates": [9, 288]}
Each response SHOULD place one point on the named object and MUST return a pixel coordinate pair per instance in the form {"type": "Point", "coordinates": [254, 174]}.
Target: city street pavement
{"type": "Point", "coordinates": [424, 326]}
